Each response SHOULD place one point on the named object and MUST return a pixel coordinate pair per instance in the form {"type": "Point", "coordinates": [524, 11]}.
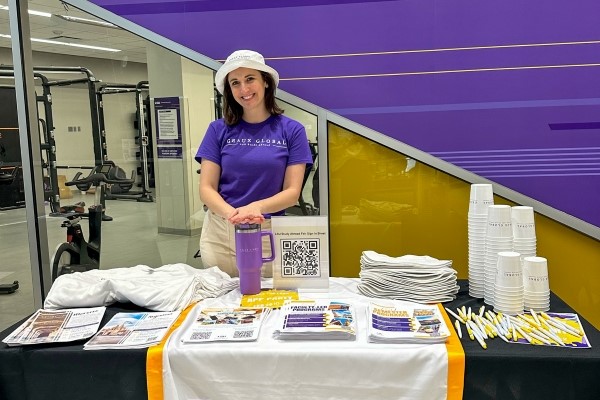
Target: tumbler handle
{"type": "Point", "coordinates": [271, 241]}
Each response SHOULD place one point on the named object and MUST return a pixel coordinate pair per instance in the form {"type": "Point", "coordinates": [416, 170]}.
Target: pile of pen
{"type": "Point", "coordinates": [535, 328]}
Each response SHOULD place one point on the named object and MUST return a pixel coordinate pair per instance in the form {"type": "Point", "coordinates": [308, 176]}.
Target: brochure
{"type": "Point", "coordinates": [406, 323]}
{"type": "Point", "coordinates": [132, 330]}
{"type": "Point", "coordinates": [226, 324]}
{"type": "Point", "coordinates": [54, 326]}
{"type": "Point", "coordinates": [316, 319]}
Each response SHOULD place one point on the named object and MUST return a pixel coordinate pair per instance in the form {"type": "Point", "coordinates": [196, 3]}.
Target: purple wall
{"type": "Point", "coordinates": [527, 117]}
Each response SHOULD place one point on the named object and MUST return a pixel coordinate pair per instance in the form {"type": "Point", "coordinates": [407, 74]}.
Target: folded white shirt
{"type": "Point", "coordinates": [167, 288]}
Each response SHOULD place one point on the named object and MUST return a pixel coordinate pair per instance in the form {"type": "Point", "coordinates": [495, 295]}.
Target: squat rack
{"type": "Point", "coordinates": [145, 195]}
{"type": "Point", "coordinates": [47, 123]}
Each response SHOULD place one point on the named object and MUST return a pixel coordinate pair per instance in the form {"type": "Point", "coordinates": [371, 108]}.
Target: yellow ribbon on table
{"type": "Point", "coordinates": [154, 357]}
{"type": "Point", "coordinates": [456, 361]}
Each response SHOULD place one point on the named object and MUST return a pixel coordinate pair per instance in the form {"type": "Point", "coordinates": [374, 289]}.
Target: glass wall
{"type": "Point", "coordinates": [384, 201]}
{"type": "Point", "coordinates": [95, 106]}
{"type": "Point", "coordinates": [13, 223]}
{"type": "Point", "coordinates": [308, 204]}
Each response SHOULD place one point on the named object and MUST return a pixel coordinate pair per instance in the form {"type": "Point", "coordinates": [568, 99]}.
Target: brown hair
{"type": "Point", "coordinates": [233, 111]}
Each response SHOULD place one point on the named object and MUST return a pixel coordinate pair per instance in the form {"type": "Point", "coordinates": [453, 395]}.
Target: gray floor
{"type": "Point", "coordinates": [132, 238]}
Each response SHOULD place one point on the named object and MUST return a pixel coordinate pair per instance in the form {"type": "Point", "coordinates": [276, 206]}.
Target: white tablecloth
{"type": "Point", "coordinates": [284, 370]}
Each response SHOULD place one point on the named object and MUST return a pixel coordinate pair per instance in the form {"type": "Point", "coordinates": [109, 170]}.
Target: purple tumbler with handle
{"type": "Point", "coordinates": [248, 255]}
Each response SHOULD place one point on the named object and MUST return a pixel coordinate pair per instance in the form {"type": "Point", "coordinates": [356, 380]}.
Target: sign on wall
{"type": "Point", "coordinates": [168, 120]}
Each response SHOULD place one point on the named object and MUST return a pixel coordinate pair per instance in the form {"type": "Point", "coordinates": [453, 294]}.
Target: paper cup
{"type": "Point", "coordinates": [480, 198]}
{"type": "Point", "coordinates": [535, 274]}
{"type": "Point", "coordinates": [509, 272]}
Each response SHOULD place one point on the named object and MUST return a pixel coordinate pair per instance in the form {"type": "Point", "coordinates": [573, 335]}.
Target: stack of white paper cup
{"type": "Point", "coordinates": [523, 226]}
{"type": "Point", "coordinates": [498, 238]}
{"type": "Point", "coordinates": [481, 197]}
{"type": "Point", "coordinates": [508, 291]}
{"type": "Point", "coordinates": [536, 284]}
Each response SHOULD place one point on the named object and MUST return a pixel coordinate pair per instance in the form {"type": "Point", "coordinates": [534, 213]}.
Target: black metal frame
{"type": "Point", "coordinates": [145, 195]}
{"type": "Point", "coordinates": [51, 194]}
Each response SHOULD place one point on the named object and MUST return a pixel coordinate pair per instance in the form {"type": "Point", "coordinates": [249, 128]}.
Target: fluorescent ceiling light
{"type": "Point", "coordinates": [32, 12]}
{"type": "Point", "coordinates": [83, 46]}
{"type": "Point", "coordinates": [86, 21]}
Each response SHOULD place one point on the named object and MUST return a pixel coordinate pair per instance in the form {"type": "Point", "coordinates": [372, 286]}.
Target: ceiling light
{"type": "Point", "coordinates": [87, 21]}
{"type": "Point", "coordinates": [83, 46]}
{"type": "Point", "coordinates": [32, 12]}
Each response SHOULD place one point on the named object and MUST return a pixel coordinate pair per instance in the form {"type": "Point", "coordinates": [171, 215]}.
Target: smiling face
{"type": "Point", "coordinates": [248, 89]}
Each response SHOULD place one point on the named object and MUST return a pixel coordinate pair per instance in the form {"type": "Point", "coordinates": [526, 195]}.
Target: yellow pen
{"type": "Point", "coordinates": [470, 332]}
{"type": "Point", "coordinates": [576, 329]}
{"type": "Point", "coordinates": [458, 330]}
{"type": "Point", "coordinates": [454, 315]}
{"type": "Point", "coordinates": [537, 321]}
{"type": "Point", "coordinates": [539, 337]}
{"type": "Point", "coordinates": [526, 336]}
{"type": "Point", "coordinates": [480, 340]}
{"type": "Point", "coordinates": [553, 336]}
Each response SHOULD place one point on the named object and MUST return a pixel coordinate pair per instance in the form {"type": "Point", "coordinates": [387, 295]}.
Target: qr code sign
{"type": "Point", "coordinates": [300, 257]}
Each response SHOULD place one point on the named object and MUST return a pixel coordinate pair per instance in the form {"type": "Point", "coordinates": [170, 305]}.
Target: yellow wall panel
{"type": "Point", "coordinates": [382, 201]}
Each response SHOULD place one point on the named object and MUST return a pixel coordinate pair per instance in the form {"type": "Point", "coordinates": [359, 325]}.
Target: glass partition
{"type": "Point", "coordinates": [384, 201]}
{"type": "Point", "coordinates": [15, 265]}
{"type": "Point", "coordinates": [308, 203]}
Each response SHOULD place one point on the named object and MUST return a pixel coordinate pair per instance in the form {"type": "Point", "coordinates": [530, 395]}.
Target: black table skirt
{"type": "Point", "coordinates": [67, 372]}
{"type": "Point", "coordinates": [517, 371]}
{"type": "Point", "coordinates": [502, 372]}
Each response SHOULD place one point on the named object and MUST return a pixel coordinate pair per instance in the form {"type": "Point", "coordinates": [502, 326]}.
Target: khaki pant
{"type": "Point", "coordinates": [217, 245]}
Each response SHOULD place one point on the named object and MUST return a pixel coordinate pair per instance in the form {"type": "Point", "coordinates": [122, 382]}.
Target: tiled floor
{"type": "Point", "coordinates": [130, 239]}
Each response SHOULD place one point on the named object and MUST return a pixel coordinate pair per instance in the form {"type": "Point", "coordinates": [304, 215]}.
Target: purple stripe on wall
{"type": "Point", "coordinates": [440, 113]}
{"type": "Point", "coordinates": [574, 126]}
{"type": "Point", "coordinates": [476, 106]}
{"type": "Point", "coordinates": [156, 7]}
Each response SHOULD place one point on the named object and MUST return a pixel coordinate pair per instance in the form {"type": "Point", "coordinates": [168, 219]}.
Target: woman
{"type": "Point", "coordinates": [252, 161]}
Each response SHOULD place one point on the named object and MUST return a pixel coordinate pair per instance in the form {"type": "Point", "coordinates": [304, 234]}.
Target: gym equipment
{"type": "Point", "coordinates": [7, 288]}
{"type": "Point", "coordinates": [48, 143]}
{"type": "Point", "coordinates": [307, 208]}
{"type": "Point", "coordinates": [77, 254]}
{"type": "Point", "coordinates": [121, 189]}
{"type": "Point", "coordinates": [144, 154]}
{"type": "Point", "coordinates": [303, 207]}
{"type": "Point", "coordinates": [12, 192]}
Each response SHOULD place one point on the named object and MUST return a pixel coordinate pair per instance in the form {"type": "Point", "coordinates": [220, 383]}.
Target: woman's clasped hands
{"type": "Point", "coordinates": [249, 214]}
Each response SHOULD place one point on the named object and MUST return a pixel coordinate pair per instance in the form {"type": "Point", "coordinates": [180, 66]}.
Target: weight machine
{"type": "Point", "coordinates": [48, 144]}
{"type": "Point", "coordinates": [144, 153]}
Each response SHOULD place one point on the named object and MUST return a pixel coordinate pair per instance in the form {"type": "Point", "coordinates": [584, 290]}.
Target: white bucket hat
{"type": "Point", "coordinates": [243, 58]}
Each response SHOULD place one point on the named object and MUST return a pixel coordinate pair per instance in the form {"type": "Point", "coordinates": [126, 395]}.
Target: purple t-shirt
{"type": "Point", "coordinates": [253, 157]}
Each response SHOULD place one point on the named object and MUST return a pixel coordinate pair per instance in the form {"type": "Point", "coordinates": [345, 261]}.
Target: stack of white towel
{"type": "Point", "coordinates": [420, 279]}
{"type": "Point", "coordinates": [167, 288]}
